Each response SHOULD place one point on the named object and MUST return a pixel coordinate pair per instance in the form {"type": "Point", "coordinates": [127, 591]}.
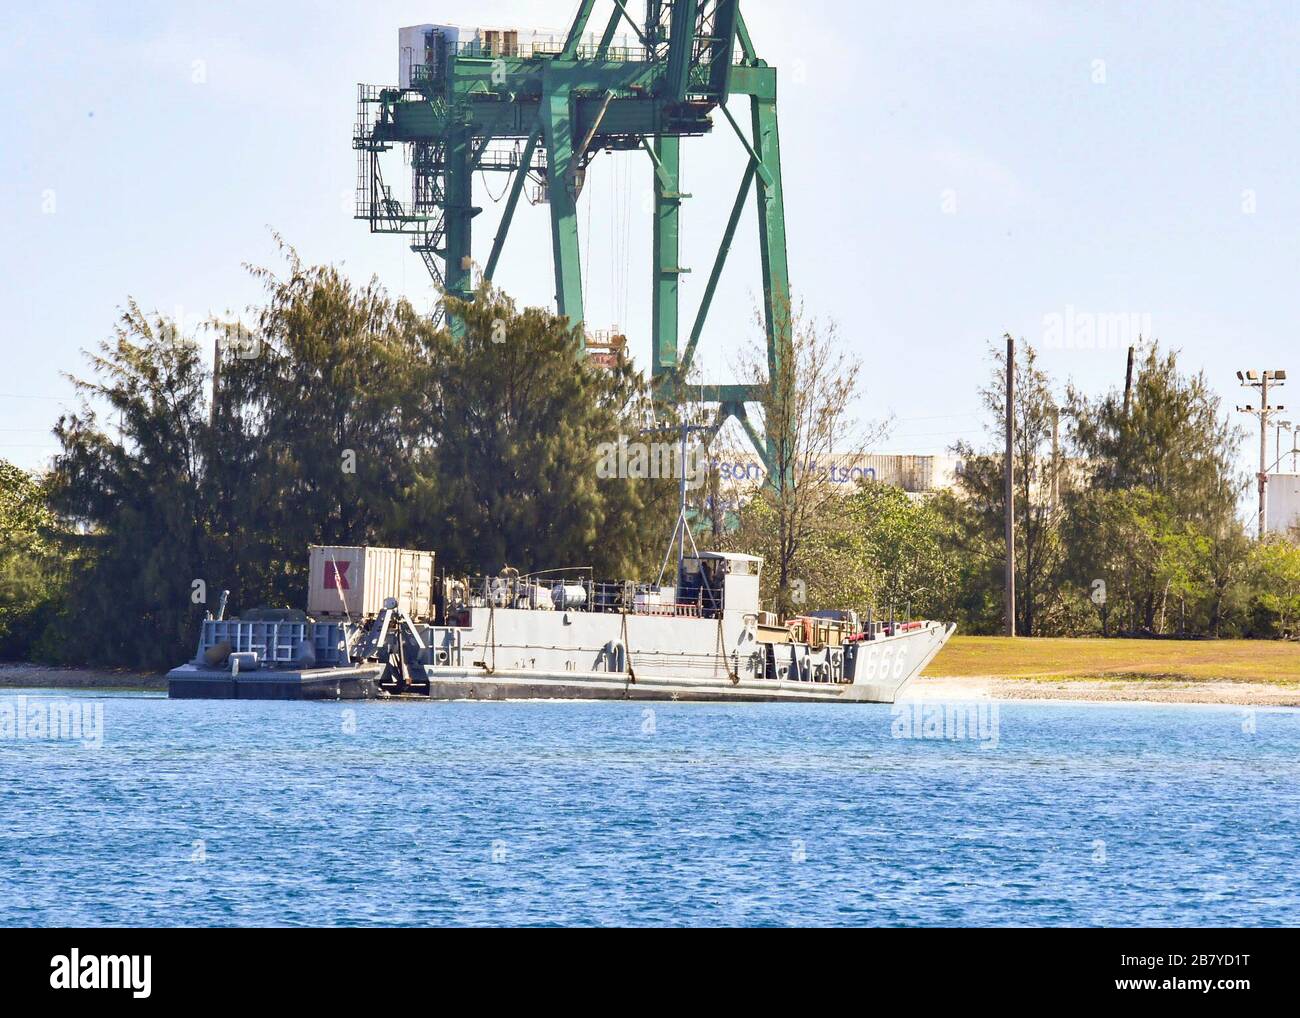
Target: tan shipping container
{"type": "Point", "coordinates": [355, 581]}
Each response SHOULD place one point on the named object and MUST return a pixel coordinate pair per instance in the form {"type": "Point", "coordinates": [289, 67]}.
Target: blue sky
{"type": "Point", "coordinates": [953, 171]}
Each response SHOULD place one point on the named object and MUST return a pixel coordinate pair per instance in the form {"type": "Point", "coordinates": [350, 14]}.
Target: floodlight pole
{"type": "Point", "coordinates": [1262, 380]}
{"type": "Point", "coordinates": [1263, 454]}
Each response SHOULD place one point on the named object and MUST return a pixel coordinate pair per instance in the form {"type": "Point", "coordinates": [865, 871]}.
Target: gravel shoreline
{"type": "Point", "coordinates": [1126, 690]}
{"type": "Point", "coordinates": [28, 676]}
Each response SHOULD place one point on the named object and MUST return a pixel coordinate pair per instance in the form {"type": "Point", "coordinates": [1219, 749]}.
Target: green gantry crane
{"type": "Point", "coordinates": [540, 108]}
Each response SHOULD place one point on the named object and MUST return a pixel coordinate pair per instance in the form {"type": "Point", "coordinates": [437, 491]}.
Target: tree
{"type": "Point", "coordinates": [805, 420]}
{"type": "Point", "coordinates": [1275, 583]}
{"type": "Point", "coordinates": [134, 499]}
{"type": "Point", "coordinates": [1131, 552]}
{"type": "Point", "coordinates": [1223, 571]}
{"type": "Point", "coordinates": [887, 550]}
{"type": "Point", "coordinates": [1172, 442]}
{"type": "Point", "coordinates": [1172, 439]}
{"type": "Point", "coordinates": [31, 572]}
{"type": "Point", "coordinates": [326, 407]}
{"type": "Point", "coordinates": [513, 474]}
{"type": "Point", "coordinates": [340, 416]}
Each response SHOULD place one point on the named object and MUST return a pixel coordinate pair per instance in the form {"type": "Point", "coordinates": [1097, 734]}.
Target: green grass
{"type": "Point", "coordinates": [1179, 660]}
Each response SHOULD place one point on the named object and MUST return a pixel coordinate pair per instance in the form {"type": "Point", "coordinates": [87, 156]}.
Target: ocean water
{"type": "Point", "coordinates": [234, 813]}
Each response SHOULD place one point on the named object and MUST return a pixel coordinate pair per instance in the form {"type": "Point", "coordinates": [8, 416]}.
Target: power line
{"type": "Point", "coordinates": [942, 417]}
{"type": "Point", "coordinates": [929, 434]}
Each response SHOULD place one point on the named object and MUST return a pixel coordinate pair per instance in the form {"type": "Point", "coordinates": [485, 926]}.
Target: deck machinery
{"type": "Point", "coordinates": [539, 108]}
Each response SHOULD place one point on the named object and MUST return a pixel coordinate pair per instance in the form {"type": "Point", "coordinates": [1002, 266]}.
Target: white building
{"type": "Point", "coordinates": [1282, 511]}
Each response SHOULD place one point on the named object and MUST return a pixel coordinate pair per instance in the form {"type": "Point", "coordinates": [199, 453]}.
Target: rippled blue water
{"type": "Point", "coordinates": [204, 812]}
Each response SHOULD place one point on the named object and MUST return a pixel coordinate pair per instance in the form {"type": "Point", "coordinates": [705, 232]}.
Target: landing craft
{"type": "Point", "coordinates": [391, 629]}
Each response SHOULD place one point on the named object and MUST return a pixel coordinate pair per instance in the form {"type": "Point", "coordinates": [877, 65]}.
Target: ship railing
{"type": "Point", "coordinates": [487, 50]}
{"type": "Point", "coordinates": [642, 599]}
{"type": "Point", "coordinates": [564, 592]}
{"type": "Point", "coordinates": [578, 592]}
{"type": "Point", "coordinates": [279, 644]}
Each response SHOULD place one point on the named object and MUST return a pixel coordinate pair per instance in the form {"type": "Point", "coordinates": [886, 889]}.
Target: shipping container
{"type": "Point", "coordinates": [354, 582]}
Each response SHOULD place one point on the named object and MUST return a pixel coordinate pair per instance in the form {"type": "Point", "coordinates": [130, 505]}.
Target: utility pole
{"type": "Point", "coordinates": [1281, 426]}
{"type": "Point", "coordinates": [1264, 453]}
{"type": "Point", "coordinates": [1010, 488]}
{"type": "Point", "coordinates": [1128, 381]}
{"type": "Point", "coordinates": [216, 382]}
{"type": "Point", "coordinates": [1262, 380]}
{"type": "Point", "coordinates": [1056, 453]}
